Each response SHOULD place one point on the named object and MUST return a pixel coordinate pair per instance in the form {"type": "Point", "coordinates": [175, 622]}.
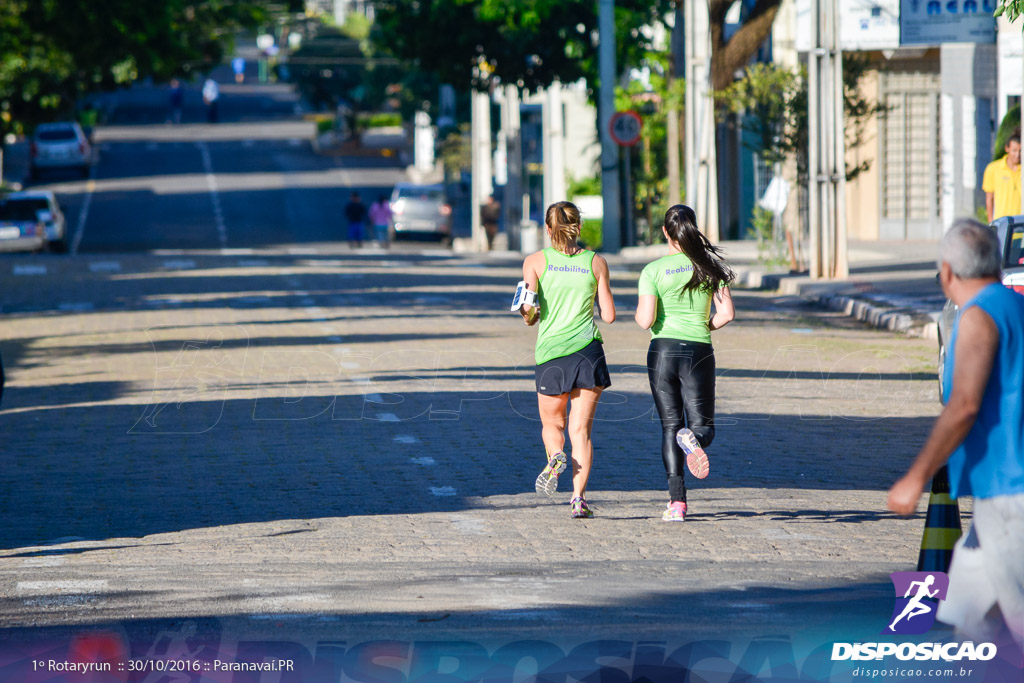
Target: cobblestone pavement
{"type": "Point", "coordinates": [337, 441]}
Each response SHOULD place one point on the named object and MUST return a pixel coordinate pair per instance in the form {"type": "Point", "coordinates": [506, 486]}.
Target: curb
{"type": "Point", "coordinates": [911, 322]}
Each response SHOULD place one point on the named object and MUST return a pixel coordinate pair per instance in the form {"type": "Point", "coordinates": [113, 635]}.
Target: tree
{"type": "Point", "coordinates": [775, 101]}
{"type": "Point", "coordinates": [53, 52]}
{"type": "Point", "coordinates": [729, 56]}
{"type": "Point", "coordinates": [527, 42]}
{"type": "Point", "coordinates": [1011, 8]}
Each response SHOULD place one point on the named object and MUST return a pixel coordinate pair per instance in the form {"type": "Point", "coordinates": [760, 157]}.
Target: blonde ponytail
{"type": "Point", "coordinates": [563, 218]}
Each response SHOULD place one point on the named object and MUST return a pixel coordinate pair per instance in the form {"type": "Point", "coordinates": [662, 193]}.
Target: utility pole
{"type": "Point", "coordinates": [554, 146]}
{"type": "Point", "coordinates": [699, 145]}
{"type": "Point", "coordinates": [611, 223]}
{"type": "Point", "coordinates": [826, 145]}
{"type": "Point", "coordinates": [511, 208]}
{"type": "Point", "coordinates": [672, 110]}
{"type": "Point", "coordinates": [480, 122]}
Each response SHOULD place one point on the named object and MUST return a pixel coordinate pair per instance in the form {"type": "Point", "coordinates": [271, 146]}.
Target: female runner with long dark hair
{"type": "Point", "coordinates": [676, 292]}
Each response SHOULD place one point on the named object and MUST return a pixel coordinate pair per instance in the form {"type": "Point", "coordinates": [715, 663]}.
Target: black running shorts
{"type": "Point", "coordinates": [585, 369]}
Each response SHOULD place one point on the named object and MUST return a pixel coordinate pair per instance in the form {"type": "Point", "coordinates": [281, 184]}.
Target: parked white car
{"type": "Point", "coordinates": [60, 146]}
{"type": "Point", "coordinates": [32, 221]}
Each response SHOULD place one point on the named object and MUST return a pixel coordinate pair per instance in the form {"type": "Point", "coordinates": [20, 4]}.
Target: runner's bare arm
{"type": "Point", "coordinates": [725, 311]}
{"type": "Point", "coordinates": [976, 344]}
{"type": "Point", "coordinates": [532, 266]}
{"type": "Point", "coordinates": [646, 310]}
{"type": "Point", "coordinates": [604, 290]}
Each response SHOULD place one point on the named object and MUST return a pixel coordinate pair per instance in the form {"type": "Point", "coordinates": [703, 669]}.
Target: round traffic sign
{"type": "Point", "coordinates": [625, 128]}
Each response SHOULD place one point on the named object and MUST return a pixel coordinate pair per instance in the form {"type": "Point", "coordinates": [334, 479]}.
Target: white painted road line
{"type": "Point", "coordinates": [426, 462]}
{"type": "Point", "coordinates": [179, 264]}
{"type": "Point", "coordinates": [78, 307]}
{"type": "Point", "coordinates": [72, 586]}
{"type": "Point", "coordinates": [83, 215]}
{"type": "Point", "coordinates": [406, 438]}
{"type": "Point", "coordinates": [43, 562]}
{"type": "Point", "coordinates": [211, 184]}
{"type": "Point", "coordinates": [105, 267]}
{"type": "Point", "coordinates": [442, 490]}
{"type": "Point", "coordinates": [387, 417]}
{"type": "Point", "coordinates": [29, 270]}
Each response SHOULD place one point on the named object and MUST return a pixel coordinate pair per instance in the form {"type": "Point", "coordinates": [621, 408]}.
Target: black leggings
{"type": "Point", "coordinates": [682, 377]}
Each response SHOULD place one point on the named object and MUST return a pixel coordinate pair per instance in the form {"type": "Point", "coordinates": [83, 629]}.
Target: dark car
{"type": "Point", "coordinates": [1010, 232]}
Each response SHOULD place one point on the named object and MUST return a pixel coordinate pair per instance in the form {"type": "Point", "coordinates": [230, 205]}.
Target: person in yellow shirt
{"type": "Point", "coordinates": [1002, 182]}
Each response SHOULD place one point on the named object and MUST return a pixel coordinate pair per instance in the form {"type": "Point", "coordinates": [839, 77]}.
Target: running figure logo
{"type": "Point", "coordinates": [917, 596]}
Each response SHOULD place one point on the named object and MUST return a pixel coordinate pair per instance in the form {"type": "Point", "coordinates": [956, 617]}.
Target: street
{"type": "Point", "coordinates": [217, 413]}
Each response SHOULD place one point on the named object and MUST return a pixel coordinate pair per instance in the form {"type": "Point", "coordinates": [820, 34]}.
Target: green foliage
{"type": "Point", "coordinates": [1009, 126]}
{"type": "Point", "coordinates": [527, 42]}
{"type": "Point", "coordinates": [379, 120]}
{"type": "Point", "coordinates": [590, 233]}
{"type": "Point", "coordinates": [1011, 8]}
{"type": "Point", "coordinates": [771, 248]}
{"type": "Point", "coordinates": [649, 167]}
{"type": "Point", "coordinates": [53, 52]}
{"type": "Point", "coordinates": [324, 123]}
{"type": "Point", "coordinates": [455, 151]}
{"type": "Point", "coordinates": [584, 186]}
{"type": "Point", "coordinates": [775, 100]}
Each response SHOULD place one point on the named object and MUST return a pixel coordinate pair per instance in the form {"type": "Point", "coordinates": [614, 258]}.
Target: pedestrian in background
{"type": "Point", "coordinates": [177, 100]}
{"type": "Point", "coordinates": [490, 214]}
{"type": "Point", "coordinates": [571, 370]}
{"type": "Point", "coordinates": [211, 93]}
{"type": "Point", "coordinates": [676, 292]}
{"type": "Point", "coordinates": [238, 66]}
{"type": "Point", "coordinates": [380, 216]}
{"type": "Point", "coordinates": [1001, 182]}
{"type": "Point", "coordinates": [981, 432]}
{"type": "Point", "coordinates": [355, 214]}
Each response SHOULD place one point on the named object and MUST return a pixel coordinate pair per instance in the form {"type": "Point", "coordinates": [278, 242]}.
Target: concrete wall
{"type": "Point", "coordinates": [862, 193]}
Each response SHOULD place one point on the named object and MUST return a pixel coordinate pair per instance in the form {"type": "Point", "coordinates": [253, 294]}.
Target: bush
{"type": "Point", "coordinates": [771, 248]}
{"type": "Point", "coordinates": [324, 124]}
{"type": "Point", "coordinates": [1009, 126]}
{"type": "Point", "coordinates": [379, 120]}
{"type": "Point", "coordinates": [590, 233]}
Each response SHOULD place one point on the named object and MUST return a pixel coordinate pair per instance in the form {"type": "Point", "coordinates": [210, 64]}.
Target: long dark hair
{"type": "Point", "coordinates": [709, 270]}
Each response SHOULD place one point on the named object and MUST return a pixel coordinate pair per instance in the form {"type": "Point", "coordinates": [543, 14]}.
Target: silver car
{"type": "Point", "coordinates": [20, 226]}
{"type": "Point", "coordinates": [1010, 231]}
{"type": "Point", "coordinates": [60, 146]}
{"type": "Point", "coordinates": [420, 209]}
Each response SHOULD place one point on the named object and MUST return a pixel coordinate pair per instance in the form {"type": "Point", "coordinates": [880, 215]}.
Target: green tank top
{"type": "Point", "coordinates": [566, 292]}
{"type": "Point", "coordinates": [680, 315]}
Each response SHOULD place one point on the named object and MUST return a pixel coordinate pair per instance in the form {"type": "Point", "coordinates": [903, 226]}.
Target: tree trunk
{"type": "Point", "coordinates": [728, 57]}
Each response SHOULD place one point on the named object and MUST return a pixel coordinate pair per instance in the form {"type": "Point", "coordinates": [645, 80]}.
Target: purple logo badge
{"type": "Point", "coordinates": [917, 598]}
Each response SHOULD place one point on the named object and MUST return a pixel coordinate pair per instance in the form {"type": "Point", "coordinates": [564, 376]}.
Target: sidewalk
{"type": "Point", "coordinates": [891, 284]}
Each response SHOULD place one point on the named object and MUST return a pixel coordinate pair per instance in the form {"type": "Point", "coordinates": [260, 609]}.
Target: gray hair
{"type": "Point", "coordinates": [971, 249]}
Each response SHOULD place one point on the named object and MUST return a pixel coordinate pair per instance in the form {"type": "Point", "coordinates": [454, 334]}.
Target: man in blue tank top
{"type": "Point", "coordinates": [981, 432]}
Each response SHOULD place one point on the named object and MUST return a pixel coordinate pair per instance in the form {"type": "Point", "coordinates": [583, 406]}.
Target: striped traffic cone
{"type": "Point", "coordinates": [941, 527]}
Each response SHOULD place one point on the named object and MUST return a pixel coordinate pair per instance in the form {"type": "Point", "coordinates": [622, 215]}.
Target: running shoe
{"type": "Point", "coordinates": [696, 458]}
{"type": "Point", "coordinates": [547, 480]}
{"type": "Point", "coordinates": [580, 509]}
{"type": "Point", "coordinates": [676, 512]}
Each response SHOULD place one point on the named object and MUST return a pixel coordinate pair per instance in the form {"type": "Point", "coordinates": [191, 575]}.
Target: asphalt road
{"type": "Point", "coordinates": [250, 181]}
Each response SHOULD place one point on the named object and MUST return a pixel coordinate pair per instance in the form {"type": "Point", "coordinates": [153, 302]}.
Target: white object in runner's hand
{"type": "Point", "coordinates": [523, 297]}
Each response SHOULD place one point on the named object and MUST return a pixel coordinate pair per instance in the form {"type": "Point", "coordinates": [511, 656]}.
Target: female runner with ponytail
{"type": "Point", "coordinates": [571, 368]}
{"type": "Point", "coordinates": [676, 292]}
